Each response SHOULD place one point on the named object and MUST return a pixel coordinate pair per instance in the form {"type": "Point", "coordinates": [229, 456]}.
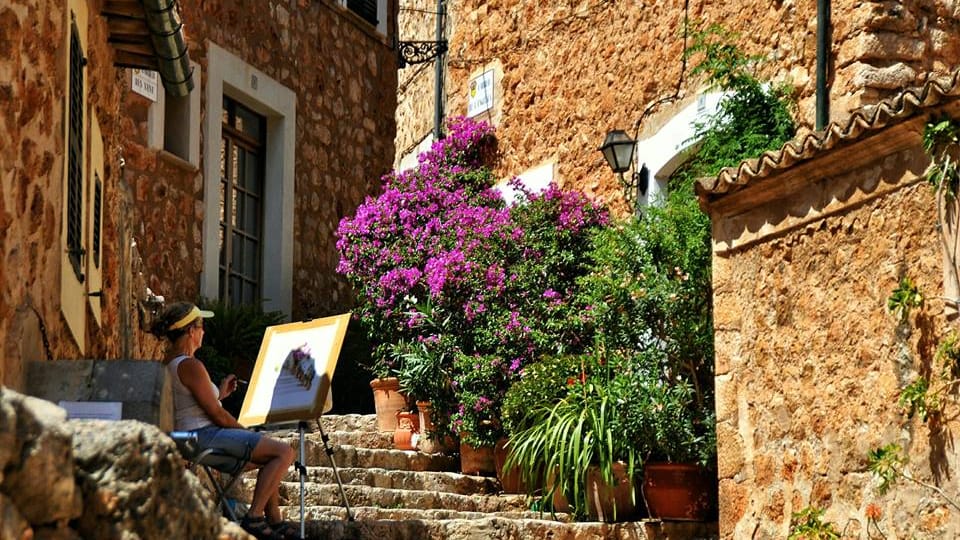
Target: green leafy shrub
{"type": "Point", "coordinates": [541, 383]}
{"type": "Point", "coordinates": [231, 342]}
{"type": "Point", "coordinates": [808, 524]}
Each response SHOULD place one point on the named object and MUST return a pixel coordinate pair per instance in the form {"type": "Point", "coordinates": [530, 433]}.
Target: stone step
{"type": "Point", "coordinates": [366, 423]}
{"type": "Point", "coordinates": [360, 439]}
{"type": "Point", "coordinates": [348, 422]}
{"type": "Point", "coordinates": [320, 526]}
{"type": "Point", "coordinates": [447, 482]}
{"type": "Point", "coordinates": [347, 456]}
{"type": "Point", "coordinates": [329, 495]}
{"type": "Point", "coordinates": [362, 513]}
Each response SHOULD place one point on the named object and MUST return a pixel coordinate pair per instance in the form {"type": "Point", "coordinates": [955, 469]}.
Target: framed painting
{"type": "Point", "coordinates": [292, 376]}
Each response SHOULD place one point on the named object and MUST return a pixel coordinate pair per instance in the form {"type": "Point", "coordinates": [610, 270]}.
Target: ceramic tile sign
{"type": "Point", "coordinates": [144, 82]}
{"type": "Point", "coordinates": [480, 98]}
{"type": "Point", "coordinates": [292, 376]}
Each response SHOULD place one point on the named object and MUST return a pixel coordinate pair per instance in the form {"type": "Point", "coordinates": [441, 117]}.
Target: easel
{"type": "Point", "coordinates": [300, 358]}
{"type": "Point", "coordinates": [302, 469]}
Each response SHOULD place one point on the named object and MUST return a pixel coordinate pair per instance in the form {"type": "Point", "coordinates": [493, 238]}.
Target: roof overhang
{"type": "Point", "coordinates": [148, 34]}
{"type": "Point", "coordinates": [718, 194]}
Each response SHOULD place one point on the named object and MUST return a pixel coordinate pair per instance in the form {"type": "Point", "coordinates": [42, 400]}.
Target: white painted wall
{"type": "Point", "coordinates": [666, 149]}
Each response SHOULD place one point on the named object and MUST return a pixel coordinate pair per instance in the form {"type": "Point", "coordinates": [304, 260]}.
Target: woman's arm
{"type": "Point", "coordinates": [195, 377]}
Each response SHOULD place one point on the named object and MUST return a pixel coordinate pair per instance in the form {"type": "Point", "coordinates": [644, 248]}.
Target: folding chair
{"type": "Point", "coordinates": [209, 460]}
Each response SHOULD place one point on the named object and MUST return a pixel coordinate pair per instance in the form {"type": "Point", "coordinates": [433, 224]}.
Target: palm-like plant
{"type": "Point", "coordinates": [569, 437]}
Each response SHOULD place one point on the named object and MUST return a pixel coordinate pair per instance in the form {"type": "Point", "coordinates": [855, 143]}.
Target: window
{"type": "Point", "coordinates": [76, 236]}
{"type": "Point", "coordinates": [97, 209]}
{"type": "Point", "coordinates": [174, 122]}
{"type": "Point", "coordinates": [74, 216]}
{"type": "Point", "coordinates": [243, 139]}
{"type": "Point", "coordinates": [229, 76]}
{"type": "Point", "coordinates": [372, 11]}
{"type": "Point", "coordinates": [366, 9]}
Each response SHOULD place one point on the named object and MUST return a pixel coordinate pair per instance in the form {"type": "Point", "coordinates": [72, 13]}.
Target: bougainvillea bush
{"type": "Point", "coordinates": [438, 258]}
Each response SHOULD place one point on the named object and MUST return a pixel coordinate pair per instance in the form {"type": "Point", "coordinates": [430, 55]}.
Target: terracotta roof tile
{"type": "Point", "coordinates": [862, 121]}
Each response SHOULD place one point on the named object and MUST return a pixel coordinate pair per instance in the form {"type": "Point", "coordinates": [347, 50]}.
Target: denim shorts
{"type": "Point", "coordinates": [232, 444]}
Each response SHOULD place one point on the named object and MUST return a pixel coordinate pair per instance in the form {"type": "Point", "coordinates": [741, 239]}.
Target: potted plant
{"type": "Point", "coordinates": [659, 418]}
{"type": "Point", "coordinates": [479, 385]}
{"type": "Point", "coordinates": [540, 383]}
{"type": "Point", "coordinates": [576, 439]}
{"type": "Point", "coordinates": [425, 376]}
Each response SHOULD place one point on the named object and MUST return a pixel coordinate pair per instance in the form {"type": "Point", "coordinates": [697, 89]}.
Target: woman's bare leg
{"type": "Point", "coordinates": [274, 458]}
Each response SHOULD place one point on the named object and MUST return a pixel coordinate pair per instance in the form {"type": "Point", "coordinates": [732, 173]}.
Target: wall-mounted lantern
{"type": "Point", "coordinates": [618, 150]}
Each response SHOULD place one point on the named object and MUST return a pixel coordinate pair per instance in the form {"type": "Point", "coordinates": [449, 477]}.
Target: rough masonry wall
{"type": "Point", "coordinates": [416, 95]}
{"type": "Point", "coordinates": [573, 70]}
{"type": "Point", "coordinates": [810, 364]}
{"type": "Point", "coordinates": [344, 76]}
{"type": "Point", "coordinates": [32, 88]}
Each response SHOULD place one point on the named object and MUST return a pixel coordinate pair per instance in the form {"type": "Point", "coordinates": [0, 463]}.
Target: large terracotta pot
{"type": "Point", "coordinates": [430, 441]}
{"type": "Point", "coordinates": [476, 461]}
{"type": "Point", "coordinates": [559, 499]}
{"type": "Point", "coordinates": [680, 491]}
{"type": "Point", "coordinates": [387, 400]}
{"type": "Point", "coordinates": [610, 503]}
{"type": "Point", "coordinates": [407, 432]}
{"type": "Point", "coordinates": [510, 481]}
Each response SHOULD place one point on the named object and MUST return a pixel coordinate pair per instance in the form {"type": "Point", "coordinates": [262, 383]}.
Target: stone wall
{"type": "Point", "coordinates": [32, 88]}
{"type": "Point", "coordinates": [70, 480]}
{"type": "Point", "coordinates": [809, 362]}
{"type": "Point", "coordinates": [344, 76]}
{"type": "Point", "coordinates": [345, 79]}
{"type": "Point", "coordinates": [574, 70]}
{"type": "Point", "coordinates": [416, 95]}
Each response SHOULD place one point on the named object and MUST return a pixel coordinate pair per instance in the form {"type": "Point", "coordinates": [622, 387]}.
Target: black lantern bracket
{"type": "Point", "coordinates": [418, 52]}
{"type": "Point", "coordinates": [618, 150]}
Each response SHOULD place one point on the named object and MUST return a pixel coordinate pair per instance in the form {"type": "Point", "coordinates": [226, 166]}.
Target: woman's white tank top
{"type": "Point", "coordinates": [187, 413]}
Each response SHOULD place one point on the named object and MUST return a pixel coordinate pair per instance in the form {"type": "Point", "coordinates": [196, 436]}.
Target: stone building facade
{"type": "Point", "coordinates": [565, 73]}
{"type": "Point", "coordinates": [318, 80]}
{"type": "Point", "coordinates": [809, 245]}
{"type": "Point", "coordinates": [808, 363]}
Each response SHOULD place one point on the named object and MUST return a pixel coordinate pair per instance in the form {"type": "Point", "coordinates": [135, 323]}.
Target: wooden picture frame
{"type": "Point", "coordinates": [292, 376]}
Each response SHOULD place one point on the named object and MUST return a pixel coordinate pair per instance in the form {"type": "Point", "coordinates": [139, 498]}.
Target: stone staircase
{"type": "Point", "coordinates": [408, 495]}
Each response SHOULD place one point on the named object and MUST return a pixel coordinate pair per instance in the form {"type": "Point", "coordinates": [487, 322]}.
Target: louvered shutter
{"type": "Point", "coordinates": [367, 9]}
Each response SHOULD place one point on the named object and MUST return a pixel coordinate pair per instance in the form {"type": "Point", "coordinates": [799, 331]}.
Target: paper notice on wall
{"type": "Point", "coordinates": [96, 410]}
{"type": "Point", "coordinates": [145, 83]}
{"type": "Point", "coordinates": [480, 98]}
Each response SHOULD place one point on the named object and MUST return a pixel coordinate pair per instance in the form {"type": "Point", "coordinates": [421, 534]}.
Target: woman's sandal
{"type": "Point", "coordinates": [285, 530]}
{"type": "Point", "coordinates": [259, 528]}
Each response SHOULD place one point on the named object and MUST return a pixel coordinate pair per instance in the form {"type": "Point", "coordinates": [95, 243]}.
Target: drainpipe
{"type": "Point", "coordinates": [165, 28]}
{"type": "Point", "coordinates": [438, 76]}
{"type": "Point", "coordinates": [823, 52]}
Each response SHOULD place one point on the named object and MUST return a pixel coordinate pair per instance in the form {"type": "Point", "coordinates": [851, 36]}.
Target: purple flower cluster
{"type": "Point", "coordinates": [437, 240]}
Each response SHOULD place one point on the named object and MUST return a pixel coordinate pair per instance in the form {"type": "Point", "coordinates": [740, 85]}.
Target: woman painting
{"type": "Point", "coordinates": [197, 408]}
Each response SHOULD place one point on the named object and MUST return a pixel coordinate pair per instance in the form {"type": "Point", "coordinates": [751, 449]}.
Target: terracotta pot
{"type": "Point", "coordinates": [510, 482]}
{"type": "Point", "coordinates": [406, 434]}
{"type": "Point", "coordinates": [610, 503]}
{"type": "Point", "coordinates": [476, 461]}
{"type": "Point", "coordinates": [430, 441]}
{"type": "Point", "coordinates": [387, 400]}
{"type": "Point", "coordinates": [680, 491]}
{"type": "Point", "coordinates": [559, 500]}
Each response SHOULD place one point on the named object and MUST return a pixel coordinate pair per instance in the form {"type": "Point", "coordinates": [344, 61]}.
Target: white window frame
{"type": "Point", "coordinates": [190, 133]}
{"type": "Point", "coordinates": [668, 148]}
{"type": "Point", "coordinates": [229, 74]}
